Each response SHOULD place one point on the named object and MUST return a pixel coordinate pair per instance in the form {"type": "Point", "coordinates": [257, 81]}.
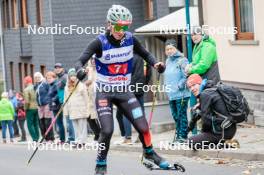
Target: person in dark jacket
{"type": "Point", "coordinates": [43, 99]}
{"type": "Point", "coordinates": [215, 128]}
{"type": "Point", "coordinates": [141, 75]}
{"type": "Point", "coordinates": [61, 83]}
{"type": "Point", "coordinates": [13, 99]}
{"type": "Point", "coordinates": [21, 115]}
{"type": "Point", "coordinates": [54, 103]}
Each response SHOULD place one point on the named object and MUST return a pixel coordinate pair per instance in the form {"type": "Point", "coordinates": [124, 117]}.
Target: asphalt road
{"type": "Point", "coordinates": [13, 160]}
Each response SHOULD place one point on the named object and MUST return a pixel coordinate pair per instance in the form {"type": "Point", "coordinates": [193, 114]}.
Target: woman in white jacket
{"type": "Point", "coordinates": [76, 107]}
{"type": "Point", "coordinates": [90, 84]}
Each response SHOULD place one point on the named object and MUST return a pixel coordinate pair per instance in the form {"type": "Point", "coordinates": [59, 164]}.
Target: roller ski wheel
{"type": "Point", "coordinates": [175, 167]}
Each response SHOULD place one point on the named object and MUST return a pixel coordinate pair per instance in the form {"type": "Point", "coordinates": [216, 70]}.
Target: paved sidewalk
{"type": "Point", "coordinates": [251, 141]}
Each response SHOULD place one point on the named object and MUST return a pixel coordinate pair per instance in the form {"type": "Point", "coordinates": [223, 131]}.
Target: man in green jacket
{"type": "Point", "coordinates": [31, 109]}
{"type": "Point", "coordinates": [7, 113]}
{"type": "Point", "coordinates": [204, 57]}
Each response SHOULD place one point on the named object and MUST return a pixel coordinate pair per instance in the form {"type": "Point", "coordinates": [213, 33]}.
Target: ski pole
{"type": "Point", "coordinates": [153, 102]}
{"type": "Point", "coordinates": [152, 109]}
{"type": "Point", "coordinates": [52, 123]}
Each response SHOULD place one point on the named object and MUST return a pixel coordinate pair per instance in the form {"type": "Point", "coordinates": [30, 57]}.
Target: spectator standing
{"type": "Point", "coordinates": [6, 117]}
{"type": "Point", "coordinates": [13, 99]}
{"type": "Point", "coordinates": [45, 114]}
{"type": "Point", "coordinates": [90, 83]}
{"type": "Point", "coordinates": [54, 104]}
{"type": "Point", "coordinates": [60, 83]}
{"type": "Point", "coordinates": [21, 115]}
{"type": "Point", "coordinates": [178, 94]}
{"type": "Point", "coordinates": [31, 109]}
{"type": "Point", "coordinates": [76, 107]}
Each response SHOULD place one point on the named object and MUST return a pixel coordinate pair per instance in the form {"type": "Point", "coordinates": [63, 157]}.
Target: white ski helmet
{"type": "Point", "coordinates": [119, 14]}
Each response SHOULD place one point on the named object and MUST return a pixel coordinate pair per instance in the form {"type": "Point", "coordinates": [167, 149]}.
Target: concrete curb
{"type": "Point", "coordinates": [160, 127]}
{"type": "Point", "coordinates": [189, 153]}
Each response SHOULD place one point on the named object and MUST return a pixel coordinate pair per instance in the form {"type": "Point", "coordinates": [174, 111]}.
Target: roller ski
{"type": "Point", "coordinates": [152, 161]}
{"type": "Point", "coordinates": [174, 167]}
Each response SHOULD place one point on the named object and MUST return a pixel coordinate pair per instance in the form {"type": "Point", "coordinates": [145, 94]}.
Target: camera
{"type": "Point", "coordinates": [196, 115]}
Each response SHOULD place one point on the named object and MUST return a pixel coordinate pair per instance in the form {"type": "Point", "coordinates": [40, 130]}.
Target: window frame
{"type": "Point", "coordinates": [24, 14]}
{"type": "Point", "coordinates": [5, 14]}
{"type": "Point", "coordinates": [14, 13]}
{"type": "Point", "coordinates": [149, 13]}
{"type": "Point", "coordinates": [43, 70]}
{"type": "Point", "coordinates": [32, 67]}
{"type": "Point", "coordinates": [25, 69]}
{"type": "Point", "coordinates": [241, 35]}
{"type": "Point", "coordinates": [20, 74]}
{"type": "Point", "coordinates": [39, 11]}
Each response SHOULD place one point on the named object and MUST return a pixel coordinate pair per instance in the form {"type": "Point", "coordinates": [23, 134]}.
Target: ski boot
{"type": "Point", "coordinates": [152, 161]}
{"type": "Point", "coordinates": [100, 170]}
{"type": "Point", "coordinates": [152, 157]}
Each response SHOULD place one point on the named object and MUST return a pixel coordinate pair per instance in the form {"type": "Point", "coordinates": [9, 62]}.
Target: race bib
{"type": "Point", "coordinates": [118, 69]}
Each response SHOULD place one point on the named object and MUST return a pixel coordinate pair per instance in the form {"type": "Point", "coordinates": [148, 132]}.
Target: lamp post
{"type": "Point", "coordinates": [188, 24]}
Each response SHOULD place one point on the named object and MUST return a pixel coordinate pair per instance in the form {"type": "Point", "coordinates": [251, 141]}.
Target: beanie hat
{"type": "Point", "coordinates": [28, 80]}
{"type": "Point", "coordinates": [194, 79]}
{"type": "Point", "coordinates": [171, 42]}
{"type": "Point", "coordinates": [58, 65]}
{"type": "Point", "coordinates": [72, 72]}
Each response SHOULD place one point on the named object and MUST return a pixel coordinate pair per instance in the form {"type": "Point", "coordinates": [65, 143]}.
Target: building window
{"type": "Point", "coordinates": [149, 10]}
{"type": "Point", "coordinates": [32, 70]}
{"type": "Point", "coordinates": [24, 14]}
{"type": "Point", "coordinates": [5, 14]}
{"type": "Point", "coordinates": [176, 3]}
{"type": "Point", "coordinates": [14, 14]}
{"type": "Point", "coordinates": [43, 69]}
{"type": "Point", "coordinates": [11, 66]}
{"type": "Point", "coordinates": [244, 19]}
{"type": "Point", "coordinates": [195, 2]}
{"type": "Point", "coordinates": [20, 74]}
{"type": "Point", "coordinates": [25, 69]}
{"type": "Point", "coordinates": [39, 11]}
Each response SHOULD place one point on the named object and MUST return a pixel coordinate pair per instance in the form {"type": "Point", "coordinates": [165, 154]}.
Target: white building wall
{"type": "Point", "coordinates": [238, 63]}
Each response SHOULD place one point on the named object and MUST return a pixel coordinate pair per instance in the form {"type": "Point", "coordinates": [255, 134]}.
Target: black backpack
{"type": "Point", "coordinates": [236, 104]}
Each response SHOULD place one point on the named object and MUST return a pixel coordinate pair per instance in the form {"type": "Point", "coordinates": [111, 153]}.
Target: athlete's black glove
{"type": "Point", "coordinates": [81, 74]}
{"type": "Point", "coordinates": [161, 68]}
